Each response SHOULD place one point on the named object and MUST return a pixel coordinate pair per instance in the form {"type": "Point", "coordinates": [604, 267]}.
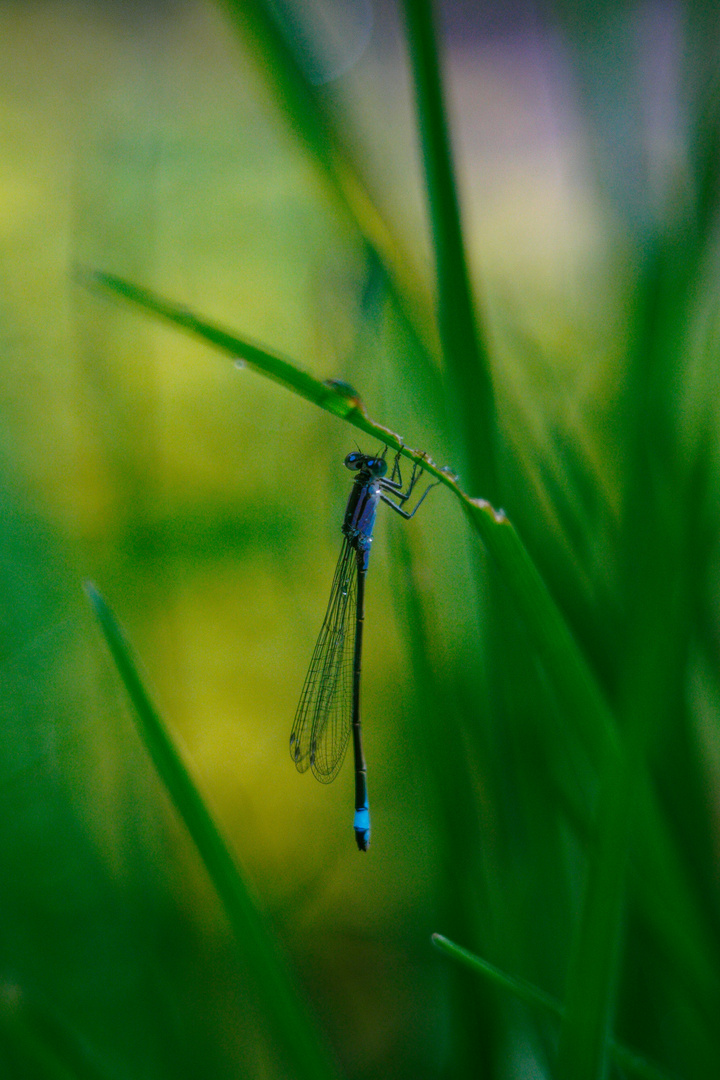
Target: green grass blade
{"type": "Point", "coordinates": [331, 395]}
{"type": "Point", "coordinates": [277, 62]}
{"type": "Point", "coordinates": [564, 661]}
{"type": "Point", "coordinates": [703, 158]}
{"type": "Point", "coordinates": [294, 1029]}
{"type": "Point", "coordinates": [656, 554]}
{"type": "Point", "coordinates": [592, 976]}
{"type": "Point", "coordinates": [466, 358]}
{"type": "Point", "coordinates": [312, 122]}
{"type": "Point", "coordinates": [336, 398]}
{"type": "Point", "coordinates": [532, 995]}
{"type": "Point", "coordinates": [519, 988]}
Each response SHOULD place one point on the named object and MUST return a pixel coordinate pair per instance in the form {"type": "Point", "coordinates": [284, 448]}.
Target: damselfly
{"type": "Point", "coordinates": [330, 701]}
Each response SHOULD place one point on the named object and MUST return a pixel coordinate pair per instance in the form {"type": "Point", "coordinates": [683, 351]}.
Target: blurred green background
{"type": "Point", "coordinates": [159, 141]}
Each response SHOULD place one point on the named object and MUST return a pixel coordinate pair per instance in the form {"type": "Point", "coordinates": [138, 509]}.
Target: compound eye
{"type": "Point", "coordinates": [354, 460]}
{"type": "Point", "coordinates": [376, 466]}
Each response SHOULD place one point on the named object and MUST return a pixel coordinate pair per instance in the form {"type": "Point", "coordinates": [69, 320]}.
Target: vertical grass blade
{"type": "Point", "coordinates": [312, 122]}
{"type": "Point", "coordinates": [574, 681]}
{"type": "Point", "coordinates": [466, 357]}
{"type": "Point", "coordinates": [591, 985]}
{"type": "Point", "coordinates": [279, 1001]}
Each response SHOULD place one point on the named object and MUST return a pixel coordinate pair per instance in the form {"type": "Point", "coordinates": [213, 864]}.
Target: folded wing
{"type": "Point", "coordinates": [319, 735]}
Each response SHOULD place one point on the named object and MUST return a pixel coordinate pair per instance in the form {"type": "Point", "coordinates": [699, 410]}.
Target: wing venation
{"type": "Point", "coordinates": [319, 735]}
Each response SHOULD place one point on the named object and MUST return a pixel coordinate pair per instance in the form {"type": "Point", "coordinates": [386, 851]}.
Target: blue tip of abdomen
{"type": "Point", "coordinates": [362, 828]}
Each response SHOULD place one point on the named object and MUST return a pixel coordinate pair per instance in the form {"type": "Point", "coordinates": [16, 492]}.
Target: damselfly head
{"type": "Point", "coordinates": [374, 466]}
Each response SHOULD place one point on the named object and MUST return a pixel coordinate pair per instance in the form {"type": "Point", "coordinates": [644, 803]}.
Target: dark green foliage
{"type": "Point", "coordinates": [542, 686]}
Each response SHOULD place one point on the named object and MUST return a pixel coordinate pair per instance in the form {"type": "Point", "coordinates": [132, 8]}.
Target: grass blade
{"type": "Point", "coordinates": [532, 995]}
{"type": "Point", "coordinates": [573, 678]}
{"type": "Point", "coordinates": [466, 357]}
{"type": "Point", "coordinates": [313, 123]}
{"type": "Point", "coordinates": [593, 973]}
{"type": "Point", "coordinates": [522, 990]}
{"type": "Point", "coordinates": [293, 1027]}
{"type": "Point", "coordinates": [331, 395]}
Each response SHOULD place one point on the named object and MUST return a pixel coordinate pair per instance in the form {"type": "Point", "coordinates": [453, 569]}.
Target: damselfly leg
{"type": "Point", "coordinates": [393, 487]}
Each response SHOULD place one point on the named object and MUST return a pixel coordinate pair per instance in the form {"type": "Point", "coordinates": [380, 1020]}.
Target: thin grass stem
{"type": "Point", "coordinates": [295, 1029]}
